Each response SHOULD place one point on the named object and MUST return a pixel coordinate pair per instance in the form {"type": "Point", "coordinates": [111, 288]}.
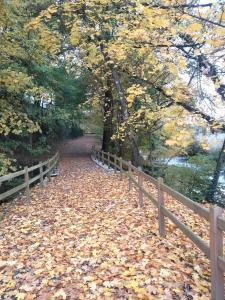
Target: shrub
{"type": "Point", "coordinates": [193, 180]}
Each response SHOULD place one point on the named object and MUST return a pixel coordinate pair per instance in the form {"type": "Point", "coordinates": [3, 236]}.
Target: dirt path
{"type": "Point", "coordinates": [83, 237]}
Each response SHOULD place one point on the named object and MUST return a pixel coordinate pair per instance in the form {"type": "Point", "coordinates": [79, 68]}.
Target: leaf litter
{"type": "Point", "coordinates": [84, 237]}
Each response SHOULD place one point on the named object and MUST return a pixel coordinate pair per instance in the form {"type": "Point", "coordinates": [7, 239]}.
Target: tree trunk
{"type": "Point", "coordinates": [124, 117]}
{"type": "Point", "coordinates": [123, 105]}
{"type": "Point", "coordinates": [136, 158]}
{"type": "Point", "coordinates": [108, 119]}
{"type": "Point", "coordinates": [210, 196]}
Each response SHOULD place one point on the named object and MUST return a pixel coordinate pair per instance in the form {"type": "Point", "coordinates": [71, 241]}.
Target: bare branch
{"type": "Point", "coordinates": [203, 19]}
{"type": "Point", "coordinates": [180, 6]}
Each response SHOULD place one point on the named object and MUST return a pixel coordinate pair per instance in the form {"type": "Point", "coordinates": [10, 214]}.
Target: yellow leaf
{"type": "Point", "coordinates": [60, 293]}
{"type": "Point", "coordinates": [194, 27]}
{"type": "Point", "coordinates": [20, 296]}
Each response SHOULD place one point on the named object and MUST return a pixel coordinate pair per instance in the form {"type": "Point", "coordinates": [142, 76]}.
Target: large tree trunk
{"type": "Point", "coordinates": [210, 196]}
{"type": "Point", "coordinates": [108, 119]}
{"type": "Point", "coordinates": [124, 113]}
{"type": "Point", "coordinates": [135, 157]}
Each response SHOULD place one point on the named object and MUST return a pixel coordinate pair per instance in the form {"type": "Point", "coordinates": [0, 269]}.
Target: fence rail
{"type": "Point", "coordinates": [214, 215]}
{"type": "Point", "coordinates": [48, 164]}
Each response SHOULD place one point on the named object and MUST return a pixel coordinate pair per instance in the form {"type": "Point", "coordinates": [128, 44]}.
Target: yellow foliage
{"type": "Point", "coordinates": [13, 121]}
{"type": "Point", "coordinates": [75, 34]}
{"type": "Point", "coordinates": [14, 81]}
{"type": "Point", "coordinates": [134, 91]}
{"type": "Point", "coordinates": [194, 27]}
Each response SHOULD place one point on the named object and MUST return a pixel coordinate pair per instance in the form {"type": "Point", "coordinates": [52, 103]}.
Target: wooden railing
{"type": "Point", "coordinates": [214, 215]}
{"type": "Point", "coordinates": [44, 169]}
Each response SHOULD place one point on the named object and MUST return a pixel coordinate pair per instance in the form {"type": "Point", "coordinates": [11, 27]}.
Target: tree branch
{"type": "Point", "coordinates": [180, 6]}
{"type": "Point", "coordinates": [203, 19]}
{"type": "Point", "coordinates": [210, 120]}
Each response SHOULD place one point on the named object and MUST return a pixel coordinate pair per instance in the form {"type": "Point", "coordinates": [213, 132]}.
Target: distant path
{"type": "Point", "coordinates": [83, 237]}
{"type": "Point", "coordinates": [78, 148]}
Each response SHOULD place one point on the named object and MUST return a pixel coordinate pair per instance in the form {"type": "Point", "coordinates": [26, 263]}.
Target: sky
{"type": "Point", "coordinates": [209, 86]}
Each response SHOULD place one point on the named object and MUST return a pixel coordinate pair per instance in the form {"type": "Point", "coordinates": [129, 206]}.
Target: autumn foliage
{"type": "Point", "coordinates": [84, 237]}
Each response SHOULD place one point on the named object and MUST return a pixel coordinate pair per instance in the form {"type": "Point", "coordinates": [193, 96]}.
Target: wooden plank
{"type": "Point", "coordinates": [161, 218]}
{"type": "Point", "coordinates": [216, 250]}
{"type": "Point", "coordinates": [51, 165]}
{"type": "Point", "coordinates": [133, 168]}
{"type": "Point", "coordinates": [43, 163]}
{"type": "Point", "coordinates": [48, 161]}
{"type": "Point", "coordinates": [12, 191]}
{"type": "Point", "coordinates": [115, 163]}
{"type": "Point", "coordinates": [93, 149]}
{"type": "Point", "coordinates": [221, 223]}
{"type": "Point", "coordinates": [55, 163]}
{"type": "Point", "coordinates": [34, 179]}
{"type": "Point", "coordinates": [129, 175]}
{"type": "Point", "coordinates": [140, 185]}
{"type": "Point", "coordinates": [150, 197]}
{"type": "Point", "coordinates": [28, 181]}
{"type": "Point", "coordinates": [103, 157]}
{"type": "Point", "coordinates": [221, 263]}
{"type": "Point", "coordinates": [197, 208]}
{"type": "Point", "coordinates": [108, 160]}
{"type": "Point", "coordinates": [47, 170]}
{"type": "Point", "coordinates": [134, 181]}
{"type": "Point", "coordinates": [111, 155]}
{"type": "Point", "coordinates": [27, 184]}
{"type": "Point", "coordinates": [124, 162]}
{"type": "Point", "coordinates": [150, 178]}
{"type": "Point", "coordinates": [50, 168]}
{"type": "Point", "coordinates": [51, 159]}
{"type": "Point", "coordinates": [202, 245]}
{"type": "Point", "coordinates": [41, 176]}
{"type": "Point", "coordinates": [11, 176]}
{"type": "Point", "coordinates": [121, 167]}
{"type": "Point", "coordinates": [35, 167]}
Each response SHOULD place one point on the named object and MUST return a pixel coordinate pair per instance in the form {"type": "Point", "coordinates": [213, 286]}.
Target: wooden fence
{"type": "Point", "coordinates": [44, 169]}
{"type": "Point", "coordinates": [214, 215]}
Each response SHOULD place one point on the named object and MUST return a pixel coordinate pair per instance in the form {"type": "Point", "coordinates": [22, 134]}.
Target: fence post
{"type": "Point", "coordinates": [41, 176]}
{"type": "Point", "coordinates": [93, 150]}
{"type": "Point", "coordinates": [94, 153]}
{"type": "Point", "coordinates": [140, 184]}
{"type": "Point", "coordinates": [115, 168]}
{"type": "Point", "coordinates": [48, 173]}
{"type": "Point", "coordinates": [108, 160]}
{"type": "Point", "coordinates": [57, 165]}
{"type": "Point", "coordinates": [27, 186]}
{"type": "Point", "coordinates": [129, 174]}
{"type": "Point", "coordinates": [161, 218]}
{"type": "Point", "coordinates": [216, 249]}
{"type": "Point", "coordinates": [121, 168]}
{"type": "Point", "coordinates": [103, 158]}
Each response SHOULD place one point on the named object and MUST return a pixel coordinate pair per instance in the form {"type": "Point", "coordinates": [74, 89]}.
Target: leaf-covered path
{"type": "Point", "coordinates": [83, 237]}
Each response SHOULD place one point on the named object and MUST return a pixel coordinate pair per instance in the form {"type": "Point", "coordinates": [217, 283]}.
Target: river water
{"type": "Point", "coordinates": [181, 161]}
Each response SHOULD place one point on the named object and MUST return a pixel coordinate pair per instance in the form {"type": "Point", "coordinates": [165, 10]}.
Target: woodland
{"type": "Point", "coordinates": [143, 75]}
{"type": "Point", "coordinates": [143, 80]}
